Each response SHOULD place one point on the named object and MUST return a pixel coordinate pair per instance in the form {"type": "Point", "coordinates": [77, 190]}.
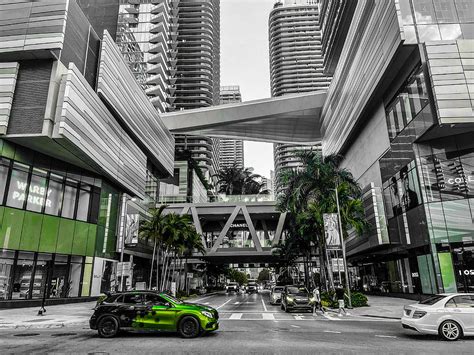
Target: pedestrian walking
{"type": "Point", "coordinates": [340, 299]}
{"type": "Point", "coordinates": [317, 301]}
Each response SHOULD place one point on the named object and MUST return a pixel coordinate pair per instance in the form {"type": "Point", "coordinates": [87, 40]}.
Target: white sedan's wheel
{"type": "Point", "coordinates": [450, 330]}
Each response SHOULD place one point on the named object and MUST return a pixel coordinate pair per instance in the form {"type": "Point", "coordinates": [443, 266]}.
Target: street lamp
{"type": "Point", "coordinates": [124, 235]}
{"type": "Point", "coordinates": [346, 273]}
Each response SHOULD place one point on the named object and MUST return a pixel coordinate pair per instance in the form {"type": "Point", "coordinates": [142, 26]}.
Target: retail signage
{"type": "Point", "coordinates": [127, 265]}
{"type": "Point", "coordinates": [131, 230]}
{"type": "Point", "coordinates": [466, 272]}
{"type": "Point", "coordinates": [239, 225]}
{"type": "Point", "coordinates": [461, 180]}
{"type": "Point", "coordinates": [36, 194]}
{"type": "Point", "coordinates": [331, 230]}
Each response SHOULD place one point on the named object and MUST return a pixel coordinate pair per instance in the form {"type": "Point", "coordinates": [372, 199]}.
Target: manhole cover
{"type": "Point", "coordinates": [63, 334]}
{"type": "Point", "coordinates": [26, 334]}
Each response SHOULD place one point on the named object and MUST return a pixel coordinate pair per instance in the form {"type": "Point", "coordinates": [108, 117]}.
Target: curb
{"type": "Point", "coordinates": [42, 326]}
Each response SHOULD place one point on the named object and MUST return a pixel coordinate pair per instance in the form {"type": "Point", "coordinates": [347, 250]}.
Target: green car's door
{"type": "Point", "coordinates": [161, 312]}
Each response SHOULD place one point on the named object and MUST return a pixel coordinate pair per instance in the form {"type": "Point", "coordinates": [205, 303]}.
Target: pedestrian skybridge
{"type": "Point", "coordinates": [287, 119]}
{"type": "Point", "coordinates": [236, 232]}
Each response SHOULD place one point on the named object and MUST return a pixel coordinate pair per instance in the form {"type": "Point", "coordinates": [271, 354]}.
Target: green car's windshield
{"type": "Point", "coordinates": [173, 299]}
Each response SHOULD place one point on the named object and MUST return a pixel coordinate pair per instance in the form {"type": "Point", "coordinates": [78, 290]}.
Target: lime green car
{"type": "Point", "coordinates": [148, 310]}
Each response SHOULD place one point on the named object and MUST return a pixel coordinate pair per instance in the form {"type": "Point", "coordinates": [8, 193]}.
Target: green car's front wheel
{"type": "Point", "coordinates": [189, 327]}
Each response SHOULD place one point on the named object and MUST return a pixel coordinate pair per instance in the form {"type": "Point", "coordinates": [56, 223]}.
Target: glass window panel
{"type": "Point", "coordinates": [424, 11]}
{"type": "Point", "coordinates": [36, 194]}
{"type": "Point", "coordinates": [445, 11]}
{"type": "Point", "coordinates": [399, 119]}
{"type": "Point", "coordinates": [428, 33]}
{"type": "Point", "coordinates": [43, 264]}
{"type": "Point", "coordinates": [465, 9]}
{"type": "Point", "coordinates": [54, 197]}
{"type": "Point", "coordinates": [467, 30]}
{"type": "Point", "coordinates": [405, 9]}
{"type": "Point", "coordinates": [4, 169]}
{"type": "Point", "coordinates": [405, 103]}
{"type": "Point", "coordinates": [450, 31]}
{"type": "Point", "coordinates": [465, 301]}
{"type": "Point", "coordinates": [410, 34]}
{"type": "Point", "coordinates": [17, 188]}
{"type": "Point", "coordinates": [83, 205]}
{"type": "Point", "coordinates": [69, 201]}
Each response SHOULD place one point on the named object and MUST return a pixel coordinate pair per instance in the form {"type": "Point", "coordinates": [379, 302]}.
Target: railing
{"type": "Point", "coordinates": [218, 198]}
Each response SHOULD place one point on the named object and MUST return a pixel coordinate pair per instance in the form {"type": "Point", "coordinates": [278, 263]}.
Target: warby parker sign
{"type": "Point", "coordinates": [37, 194]}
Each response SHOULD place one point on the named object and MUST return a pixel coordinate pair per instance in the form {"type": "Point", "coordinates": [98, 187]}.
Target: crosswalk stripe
{"type": "Point", "coordinates": [268, 316]}
{"type": "Point", "coordinates": [235, 316]}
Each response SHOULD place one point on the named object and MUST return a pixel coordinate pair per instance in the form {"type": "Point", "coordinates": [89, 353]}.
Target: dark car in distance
{"type": "Point", "coordinates": [251, 288]}
{"type": "Point", "coordinates": [148, 310]}
{"type": "Point", "coordinates": [296, 298]}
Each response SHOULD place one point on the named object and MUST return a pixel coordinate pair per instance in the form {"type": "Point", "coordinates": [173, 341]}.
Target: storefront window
{"type": "Point", "coordinates": [6, 268]}
{"type": "Point", "coordinates": [75, 271]}
{"type": "Point", "coordinates": [22, 278]}
{"type": "Point", "coordinates": [17, 189]}
{"type": "Point", "coordinates": [43, 265]}
{"type": "Point", "coordinates": [59, 286]}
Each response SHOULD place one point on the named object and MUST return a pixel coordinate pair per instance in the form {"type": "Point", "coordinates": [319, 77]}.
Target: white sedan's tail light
{"type": "Point", "coordinates": [419, 314]}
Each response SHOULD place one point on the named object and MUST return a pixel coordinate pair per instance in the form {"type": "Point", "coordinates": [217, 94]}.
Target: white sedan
{"type": "Point", "coordinates": [451, 315]}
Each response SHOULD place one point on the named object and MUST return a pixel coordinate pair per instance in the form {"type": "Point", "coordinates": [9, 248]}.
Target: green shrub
{"type": "Point", "coordinates": [358, 299]}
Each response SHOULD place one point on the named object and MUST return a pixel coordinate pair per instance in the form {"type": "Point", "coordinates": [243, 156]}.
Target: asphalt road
{"type": "Point", "coordinates": [248, 324]}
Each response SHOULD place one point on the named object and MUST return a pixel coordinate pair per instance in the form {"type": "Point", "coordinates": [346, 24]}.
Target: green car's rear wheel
{"type": "Point", "coordinates": [108, 327]}
{"type": "Point", "coordinates": [189, 327]}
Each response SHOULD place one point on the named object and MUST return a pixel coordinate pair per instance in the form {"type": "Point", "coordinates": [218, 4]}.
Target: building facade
{"type": "Point", "coordinates": [296, 65]}
{"type": "Point", "coordinates": [67, 157]}
{"type": "Point", "coordinates": [408, 139]}
{"type": "Point", "coordinates": [231, 151]}
{"type": "Point", "coordinates": [173, 48]}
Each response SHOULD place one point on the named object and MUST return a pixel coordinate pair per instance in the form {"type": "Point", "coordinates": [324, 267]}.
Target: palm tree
{"type": "Point", "coordinates": [310, 193]}
{"type": "Point", "coordinates": [152, 230]}
{"type": "Point", "coordinates": [235, 180]}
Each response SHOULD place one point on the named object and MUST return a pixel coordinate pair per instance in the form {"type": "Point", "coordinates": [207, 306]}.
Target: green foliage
{"type": "Point", "coordinates": [235, 180]}
{"type": "Point", "coordinates": [264, 275]}
{"type": "Point", "coordinates": [358, 299]}
{"type": "Point", "coordinates": [237, 276]}
{"type": "Point", "coordinates": [328, 299]}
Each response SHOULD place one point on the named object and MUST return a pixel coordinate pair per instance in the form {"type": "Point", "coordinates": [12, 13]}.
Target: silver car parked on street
{"type": "Point", "coordinates": [450, 315]}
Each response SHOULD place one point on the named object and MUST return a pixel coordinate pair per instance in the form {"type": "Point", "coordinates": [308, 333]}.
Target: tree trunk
{"type": "Point", "coordinates": [151, 268]}
{"type": "Point", "coordinates": [165, 269]}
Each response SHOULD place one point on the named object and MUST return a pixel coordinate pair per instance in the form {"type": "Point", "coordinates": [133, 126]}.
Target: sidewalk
{"type": "Point", "coordinates": [55, 317]}
{"type": "Point", "coordinates": [380, 307]}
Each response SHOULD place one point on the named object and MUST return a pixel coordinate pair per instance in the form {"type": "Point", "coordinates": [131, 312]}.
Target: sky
{"type": "Point", "coordinates": [245, 62]}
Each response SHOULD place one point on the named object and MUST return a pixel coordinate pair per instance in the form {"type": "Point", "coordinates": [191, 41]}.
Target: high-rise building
{"type": "Point", "coordinates": [399, 110]}
{"type": "Point", "coordinates": [231, 151]}
{"type": "Point", "coordinates": [179, 45]}
{"type": "Point", "coordinates": [296, 64]}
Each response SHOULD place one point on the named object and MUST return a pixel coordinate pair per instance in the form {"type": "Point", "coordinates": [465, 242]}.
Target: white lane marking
{"type": "Point", "coordinates": [298, 317]}
{"type": "Point", "coordinates": [207, 302]}
{"type": "Point", "coordinates": [235, 316]}
{"type": "Point", "coordinates": [294, 326]}
{"type": "Point", "coordinates": [236, 302]}
{"type": "Point", "coordinates": [264, 306]}
{"type": "Point", "coordinates": [332, 331]}
{"type": "Point", "coordinates": [268, 316]}
{"type": "Point", "coordinates": [222, 305]}
{"type": "Point", "coordinates": [201, 299]}
{"type": "Point", "coordinates": [385, 336]}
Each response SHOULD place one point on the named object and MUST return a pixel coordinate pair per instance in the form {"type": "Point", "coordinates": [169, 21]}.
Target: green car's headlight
{"type": "Point", "coordinates": [207, 314]}
{"type": "Point", "coordinates": [289, 299]}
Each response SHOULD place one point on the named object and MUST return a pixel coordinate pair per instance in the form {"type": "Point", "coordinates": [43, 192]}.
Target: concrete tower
{"type": "Point", "coordinates": [296, 64]}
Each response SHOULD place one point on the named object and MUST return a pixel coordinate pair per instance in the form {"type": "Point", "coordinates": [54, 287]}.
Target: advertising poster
{"type": "Point", "coordinates": [331, 231]}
